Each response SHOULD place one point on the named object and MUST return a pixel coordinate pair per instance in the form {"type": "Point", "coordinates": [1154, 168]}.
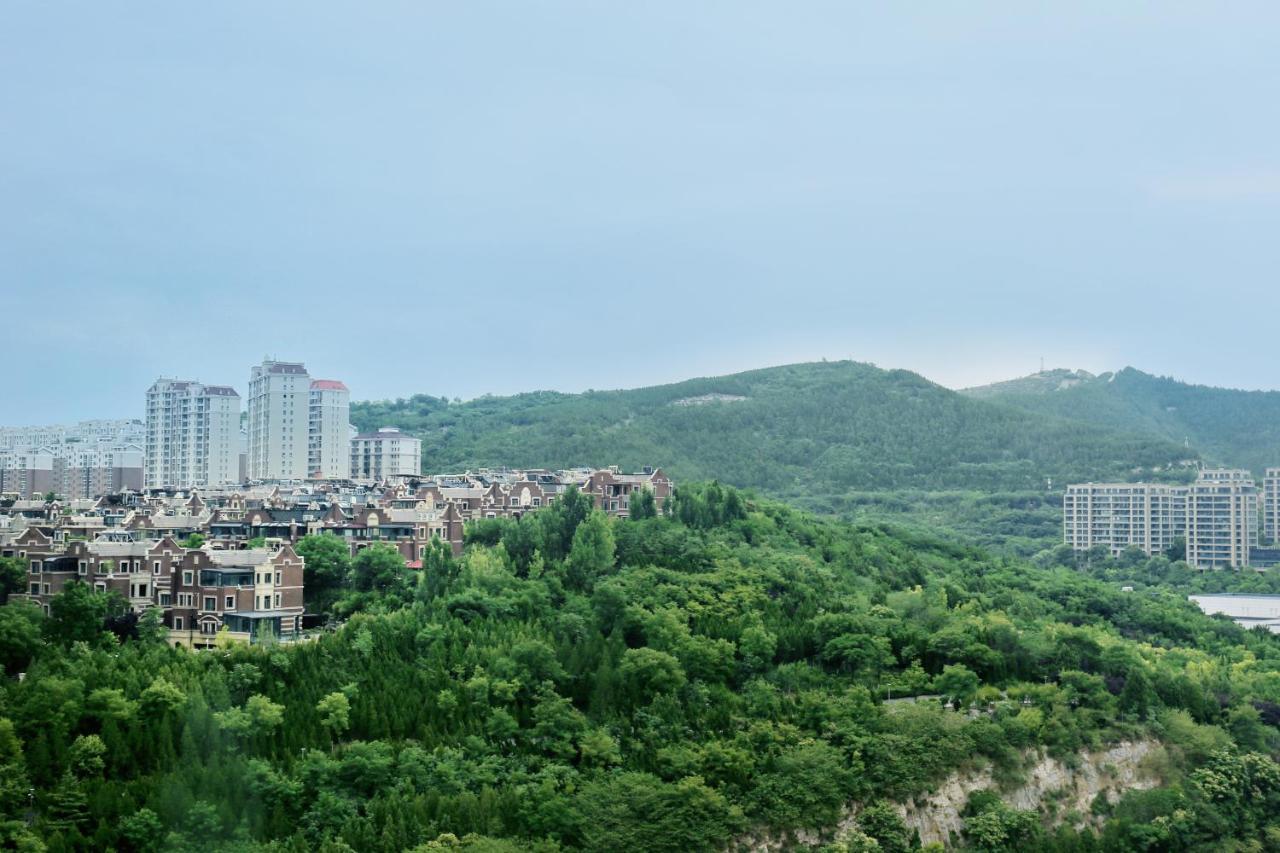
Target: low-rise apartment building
{"type": "Point", "coordinates": [385, 455]}
{"type": "Point", "coordinates": [1119, 516]}
{"type": "Point", "coordinates": [71, 470]}
{"type": "Point", "coordinates": [1217, 517]}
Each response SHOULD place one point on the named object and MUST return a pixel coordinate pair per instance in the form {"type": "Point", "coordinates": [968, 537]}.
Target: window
{"type": "Point", "coordinates": [231, 602]}
{"type": "Point", "coordinates": [277, 599]}
{"type": "Point", "coordinates": [188, 577]}
{"type": "Point", "coordinates": [100, 587]}
{"type": "Point", "coordinates": [177, 623]}
{"type": "Point", "coordinates": [278, 576]}
{"type": "Point", "coordinates": [210, 603]}
{"type": "Point", "coordinates": [164, 599]}
{"type": "Point", "coordinates": [35, 567]}
{"type": "Point", "coordinates": [35, 589]}
{"type": "Point", "coordinates": [83, 567]}
{"type": "Point", "coordinates": [155, 567]}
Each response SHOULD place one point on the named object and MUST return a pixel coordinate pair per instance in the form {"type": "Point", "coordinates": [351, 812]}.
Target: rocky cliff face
{"type": "Point", "coordinates": [1052, 788]}
{"type": "Point", "coordinates": [1057, 791]}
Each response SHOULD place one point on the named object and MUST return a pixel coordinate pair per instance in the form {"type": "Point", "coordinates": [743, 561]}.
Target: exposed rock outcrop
{"type": "Point", "coordinates": [1057, 790]}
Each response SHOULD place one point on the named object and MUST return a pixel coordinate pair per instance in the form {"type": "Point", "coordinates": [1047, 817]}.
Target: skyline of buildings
{"type": "Point", "coordinates": [78, 460]}
{"type": "Point", "coordinates": [195, 435]}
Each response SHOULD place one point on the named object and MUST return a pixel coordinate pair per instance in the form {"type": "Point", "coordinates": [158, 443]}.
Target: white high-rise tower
{"type": "Point", "coordinates": [279, 415]}
{"type": "Point", "coordinates": [328, 446]}
{"type": "Point", "coordinates": [192, 434]}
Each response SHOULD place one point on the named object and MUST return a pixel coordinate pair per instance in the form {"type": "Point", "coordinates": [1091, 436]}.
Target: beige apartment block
{"type": "Point", "coordinates": [1222, 519]}
{"type": "Point", "coordinates": [1149, 516]}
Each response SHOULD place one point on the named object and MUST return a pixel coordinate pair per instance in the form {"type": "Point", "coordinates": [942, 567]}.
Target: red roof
{"type": "Point", "coordinates": [327, 385]}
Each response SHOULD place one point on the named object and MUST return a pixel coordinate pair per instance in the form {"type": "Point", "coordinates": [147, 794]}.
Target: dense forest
{"type": "Point", "coordinates": [675, 682]}
{"type": "Point", "coordinates": [1229, 427]}
{"type": "Point", "coordinates": [835, 437]}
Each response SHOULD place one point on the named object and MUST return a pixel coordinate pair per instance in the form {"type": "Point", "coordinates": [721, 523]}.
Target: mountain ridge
{"type": "Point", "coordinates": [1229, 426]}
{"type": "Point", "coordinates": [810, 431]}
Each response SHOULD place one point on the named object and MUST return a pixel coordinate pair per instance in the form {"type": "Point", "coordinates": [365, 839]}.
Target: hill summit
{"type": "Point", "coordinates": [808, 432]}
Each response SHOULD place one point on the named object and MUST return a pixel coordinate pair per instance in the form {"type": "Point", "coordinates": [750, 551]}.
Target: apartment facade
{"type": "Point", "coordinates": [124, 431]}
{"type": "Point", "coordinates": [1149, 516]}
{"type": "Point", "coordinates": [1271, 505]}
{"type": "Point", "coordinates": [279, 421]}
{"type": "Point", "coordinates": [72, 470]}
{"type": "Point", "coordinates": [192, 435]}
{"type": "Point", "coordinates": [1217, 515]}
{"type": "Point", "coordinates": [328, 416]}
{"type": "Point", "coordinates": [384, 454]}
{"type": "Point", "coordinates": [1222, 519]}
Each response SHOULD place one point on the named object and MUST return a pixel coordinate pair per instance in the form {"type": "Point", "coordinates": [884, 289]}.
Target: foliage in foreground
{"type": "Point", "coordinates": [575, 682]}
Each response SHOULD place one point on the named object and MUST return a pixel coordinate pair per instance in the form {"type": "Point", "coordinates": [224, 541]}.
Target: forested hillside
{"type": "Point", "coordinates": [658, 684]}
{"type": "Point", "coordinates": [1237, 428]}
{"type": "Point", "coordinates": [809, 432]}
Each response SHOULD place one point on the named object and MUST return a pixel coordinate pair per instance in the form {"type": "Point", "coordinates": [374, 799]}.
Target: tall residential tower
{"type": "Point", "coordinates": [298, 427]}
{"type": "Point", "coordinates": [1222, 519]}
{"type": "Point", "coordinates": [1271, 506]}
{"type": "Point", "coordinates": [192, 435]}
{"type": "Point", "coordinates": [279, 406]}
{"type": "Point", "coordinates": [328, 445]}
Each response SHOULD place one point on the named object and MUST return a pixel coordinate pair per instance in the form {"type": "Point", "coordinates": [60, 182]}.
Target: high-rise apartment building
{"type": "Point", "coordinates": [1222, 519]}
{"type": "Point", "coordinates": [385, 453]}
{"type": "Point", "coordinates": [329, 413]}
{"type": "Point", "coordinates": [279, 421]}
{"type": "Point", "coordinates": [191, 435]}
{"type": "Point", "coordinates": [1149, 516]}
{"type": "Point", "coordinates": [1271, 505]}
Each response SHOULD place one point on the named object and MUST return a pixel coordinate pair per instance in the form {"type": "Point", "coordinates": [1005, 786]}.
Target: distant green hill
{"type": "Point", "coordinates": [1239, 428]}
{"type": "Point", "coordinates": [810, 432]}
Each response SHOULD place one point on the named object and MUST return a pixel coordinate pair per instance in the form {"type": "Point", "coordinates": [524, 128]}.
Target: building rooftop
{"type": "Point", "coordinates": [231, 559]}
{"type": "Point", "coordinates": [293, 368]}
{"type": "Point", "coordinates": [327, 385]}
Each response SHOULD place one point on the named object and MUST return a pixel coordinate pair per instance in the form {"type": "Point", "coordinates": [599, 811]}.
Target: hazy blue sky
{"type": "Point", "coordinates": [491, 197]}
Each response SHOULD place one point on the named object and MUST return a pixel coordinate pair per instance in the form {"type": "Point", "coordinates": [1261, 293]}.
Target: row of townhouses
{"type": "Point", "coordinates": [1217, 516]}
{"type": "Point", "coordinates": [246, 576]}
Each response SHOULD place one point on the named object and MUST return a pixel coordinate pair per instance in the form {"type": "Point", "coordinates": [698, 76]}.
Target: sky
{"type": "Point", "coordinates": [480, 197]}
